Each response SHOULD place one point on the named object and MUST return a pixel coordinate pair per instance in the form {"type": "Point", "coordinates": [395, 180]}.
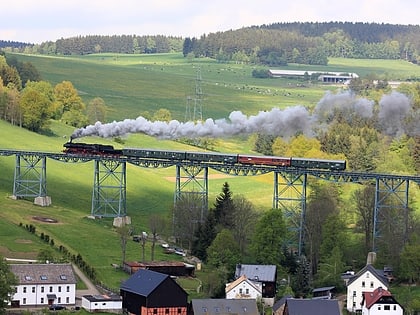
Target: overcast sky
{"type": "Point", "coordinates": [43, 20]}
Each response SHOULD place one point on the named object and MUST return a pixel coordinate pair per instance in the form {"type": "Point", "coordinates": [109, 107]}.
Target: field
{"type": "Point", "coordinates": [131, 85]}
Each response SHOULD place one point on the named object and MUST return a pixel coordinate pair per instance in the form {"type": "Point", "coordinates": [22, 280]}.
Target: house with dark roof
{"type": "Point", "coordinates": [367, 279]}
{"type": "Point", "coordinates": [223, 306]}
{"type": "Point", "coordinates": [278, 307]}
{"type": "Point", "coordinates": [311, 307]}
{"type": "Point", "coordinates": [262, 275]}
{"type": "Point", "coordinates": [380, 301]}
{"type": "Point", "coordinates": [44, 285]}
{"type": "Point", "coordinates": [152, 293]}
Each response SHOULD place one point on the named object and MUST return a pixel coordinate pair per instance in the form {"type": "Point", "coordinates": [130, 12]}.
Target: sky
{"type": "Point", "coordinates": [48, 20]}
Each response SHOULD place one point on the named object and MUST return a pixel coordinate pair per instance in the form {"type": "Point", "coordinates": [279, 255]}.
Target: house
{"type": "Point", "coordinates": [102, 303]}
{"type": "Point", "coordinates": [223, 306]}
{"type": "Point", "coordinates": [311, 307]}
{"type": "Point", "coordinates": [153, 293]}
{"type": "Point", "coordinates": [263, 276]}
{"type": "Point", "coordinates": [243, 288]}
{"type": "Point", "coordinates": [44, 285]}
{"type": "Point", "coordinates": [366, 280]}
{"type": "Point", "coordinates": [380, 301]}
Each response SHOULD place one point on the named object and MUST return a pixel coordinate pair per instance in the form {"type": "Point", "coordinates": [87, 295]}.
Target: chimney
{"type": "Point", "coordinates": [371, 258]}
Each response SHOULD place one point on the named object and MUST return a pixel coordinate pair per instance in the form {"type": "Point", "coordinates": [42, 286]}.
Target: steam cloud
{"type": "Point", "coordinates": [393, 110]}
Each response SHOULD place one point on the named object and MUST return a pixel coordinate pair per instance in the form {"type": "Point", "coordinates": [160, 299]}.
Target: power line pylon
{"type": "Point", "coordinates": [196, 112]}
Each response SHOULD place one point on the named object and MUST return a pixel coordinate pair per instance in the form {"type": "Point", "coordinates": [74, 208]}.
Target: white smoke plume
{"type": "Point", "coordinates": [279, 122]}
{"type": "Point", "coordinates": [393, 109]}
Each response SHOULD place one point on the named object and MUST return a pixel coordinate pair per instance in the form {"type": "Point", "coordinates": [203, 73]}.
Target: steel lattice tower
{"type": "Point", "coordinates": [196, 112]}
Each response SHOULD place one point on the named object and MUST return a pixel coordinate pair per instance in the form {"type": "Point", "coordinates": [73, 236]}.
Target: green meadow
{"type": "Point", "coordinates": [130, 86]}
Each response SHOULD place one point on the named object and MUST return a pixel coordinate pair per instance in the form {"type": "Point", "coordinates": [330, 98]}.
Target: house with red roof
{"type": "Point", "coordinates": [380, 302]}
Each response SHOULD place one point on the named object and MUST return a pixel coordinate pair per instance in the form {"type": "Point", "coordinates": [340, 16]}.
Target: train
{"type": "Point", "coordinates": [210, 157]}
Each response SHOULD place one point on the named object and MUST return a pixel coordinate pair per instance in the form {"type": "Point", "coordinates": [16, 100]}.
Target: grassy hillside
{"type": "Point", "coordinates": [130, 85]}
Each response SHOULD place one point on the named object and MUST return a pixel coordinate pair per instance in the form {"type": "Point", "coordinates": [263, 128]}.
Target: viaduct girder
{"type": "Point", "coordinates": [290, 184]}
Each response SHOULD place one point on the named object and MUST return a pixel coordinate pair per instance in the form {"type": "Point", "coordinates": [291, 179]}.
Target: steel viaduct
{"type": "Point", "coordinates": [290, 184]}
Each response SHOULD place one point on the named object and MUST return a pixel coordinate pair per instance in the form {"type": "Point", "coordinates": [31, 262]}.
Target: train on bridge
{"type": "Point", "coordinates": [210, 157]}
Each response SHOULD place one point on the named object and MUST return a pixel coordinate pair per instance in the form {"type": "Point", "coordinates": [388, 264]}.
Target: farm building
{"type": "Point", "coordinates": [142, 294]}
{"type": "Point", "coordinates": [325, 77]}
{"type": "Point", "coordinates": [172, 268]}
{"type": "Point", "coordinates": [102, 303]}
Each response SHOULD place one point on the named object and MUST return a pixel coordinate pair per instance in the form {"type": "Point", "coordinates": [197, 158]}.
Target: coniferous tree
{"type": "Point", "coordinates": [223, 210]}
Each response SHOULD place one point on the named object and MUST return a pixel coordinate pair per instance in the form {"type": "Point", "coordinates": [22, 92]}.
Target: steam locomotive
{"type": "Point", "coordinates": [108, 150]}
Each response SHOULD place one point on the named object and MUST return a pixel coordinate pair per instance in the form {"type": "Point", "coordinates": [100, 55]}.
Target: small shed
{"type": "Point", "coordinates": [323, 293]}
{"type": "Point", "coordinates": [102, 303]}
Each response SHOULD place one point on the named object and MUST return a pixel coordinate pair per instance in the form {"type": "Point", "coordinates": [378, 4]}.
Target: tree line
{"type": "Point", "coordinates": [275, 44]}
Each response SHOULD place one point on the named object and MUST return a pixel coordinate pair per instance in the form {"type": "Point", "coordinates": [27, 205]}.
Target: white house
{"type": "Point", "coordinates": [243, 288]}
{"type": "Point", "coordinates": [380, 302]}
{"type": "Point", "coordinates": [366, 280]}
{"type": "Point", "coordinates": [44, 285]}
{"type": "Point", "coordinates": [102, 303]}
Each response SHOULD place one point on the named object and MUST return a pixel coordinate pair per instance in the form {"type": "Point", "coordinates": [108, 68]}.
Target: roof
{"type": "Point", "coordinates": [323, 289]}
{"type": "Point", "coordinates": [260, 273]}
{"type": "Point", "coordinates": [224, 306]}
{"type": "Point", "coordinates": [312, 307]}
{"type": "Point", "coordinates": [238, 281]}
{"type": "Point", "coordinates": [379, 274]}
{"type": "Point", "coordinates": [143, 282]}
{"type": "Point", "coordinates": [103, 298]}
{"type": "Point", "coordinates": [279, 72]}
{"type": "Point", "coordinates": [44, 273]}
{"type": "Point", "coordinates": [281, 302]}
{"type": "Point", "coordinates": [376, 296]}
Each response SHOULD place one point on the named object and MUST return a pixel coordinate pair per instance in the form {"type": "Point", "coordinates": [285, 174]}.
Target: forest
{"type": "Point", "coordinates": [275, 44]}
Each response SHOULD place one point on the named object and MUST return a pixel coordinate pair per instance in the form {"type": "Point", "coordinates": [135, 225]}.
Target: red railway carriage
{"type": "Point", "coordinates": [264, 160]}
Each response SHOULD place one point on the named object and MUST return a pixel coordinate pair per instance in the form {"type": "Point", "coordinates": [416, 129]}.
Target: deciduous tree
{"type": "Point", "coordinates": [8, 282]}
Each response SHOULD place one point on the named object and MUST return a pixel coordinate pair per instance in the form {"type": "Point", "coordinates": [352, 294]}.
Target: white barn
{"type": "Point", "coordinates": [44, 285]}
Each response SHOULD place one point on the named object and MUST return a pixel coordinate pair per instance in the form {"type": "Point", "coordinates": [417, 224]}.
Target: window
{"type": "Point", "coordinates": [59, 300]}
{"type": "Point", "coordinates": [33, 289]}
{"type": "Point", "coordinates": [44, 277]}
{"type": "Point", "coordinates": [155, 311]}
{"type": "Point", "coordinates": [395, 307]}
{"type": "Point", "coordinates": [354, 293]}
{"type": "Point", "coordinates": [24, 289]}
{"type": "Point", "coordinates": [179, 310]}
{"type": "Point", "coordinates": [28, 278]}
{"type": "Point", "coordinates": [204, 309]}
{"type": "Point", "coordinates": [371, 284]}
{"type": "Point", "coordinates": [387, 307]}
{"type": "Point", "coordinates": [67, 300]}
{"type": "Point", "coordinates": [367, 274]}
{"type": "Point", "coordinates": [42, 300]}
{"type": "Point", "coordinates": [166, 310]}
{"type": "Point", "coordinates": [59, 288]}
{"type": "Point", "coordinates": [24, 300]}
{"type": "Point", "coordinates": [63, 277]}
{"type": "Point", "coordinates": [240, 291]}
{"type": "Point", "coordinates": [379, 307]}
{"type": "Point", "coordinates": [216, 310]}
{"type": "Point", "coordinates": [247, 291]}
{"type": "Point", "coordinates": [51, 289]}
{"type": "Point", "coordinates": [363, 284]}
{"type": "Point", "coordinates": [68, 288]}
{"type": "Point", "coordinates": [42, 289]}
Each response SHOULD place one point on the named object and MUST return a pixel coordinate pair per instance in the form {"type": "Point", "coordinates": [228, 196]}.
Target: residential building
{"type": "Point", "coordinates": [380, 302]}
{"type": "Point", "coordinates": [223, 306]}
{"type": "Point", "coordinates": [152, 293]}
{"type": "Point", "coordinates": [44, 285]}
{"type": "Point", "coordinates": [263, 276]}
{"type": "Point", "coordinates": [243, 288]}
{"type": "Point", "coordinates": [311, 307]}
{"type": "Point", "coordinates": [366, 280]}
